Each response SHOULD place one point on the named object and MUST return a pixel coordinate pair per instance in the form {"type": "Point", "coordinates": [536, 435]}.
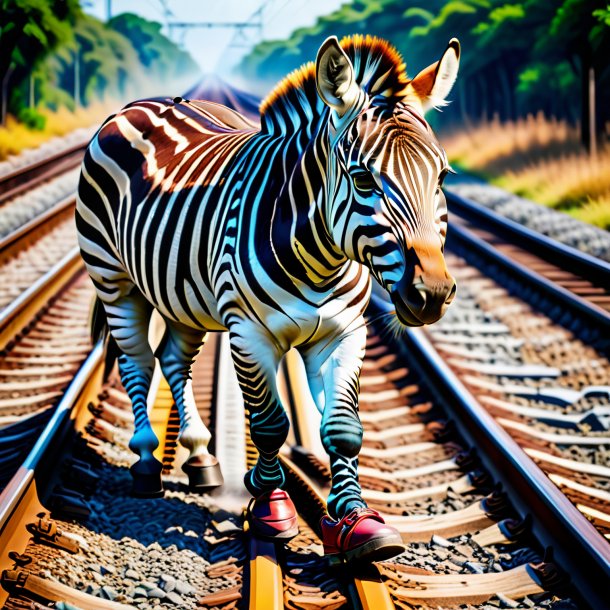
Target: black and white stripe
{"type": "Point", "coordinates": [269, 233]}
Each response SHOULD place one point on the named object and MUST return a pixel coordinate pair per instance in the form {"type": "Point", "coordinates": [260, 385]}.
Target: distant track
{"type": "Point", "coordinates": [560, 274]}
{"type": "Point", "coordinates": [26, 178]}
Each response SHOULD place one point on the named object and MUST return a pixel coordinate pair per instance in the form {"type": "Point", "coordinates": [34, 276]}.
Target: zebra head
{"type": "Point", "coordinates": [385, 167]}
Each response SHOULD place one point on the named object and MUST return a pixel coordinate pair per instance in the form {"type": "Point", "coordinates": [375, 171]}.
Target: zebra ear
{"type": "Point", "coordinates": [429, 89]}
{"type": "Point", "coordinates": [335, 77]}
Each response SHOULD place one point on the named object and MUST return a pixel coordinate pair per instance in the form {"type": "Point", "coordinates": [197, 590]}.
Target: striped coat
{"type": "Point", "coordinates": [270, 233]}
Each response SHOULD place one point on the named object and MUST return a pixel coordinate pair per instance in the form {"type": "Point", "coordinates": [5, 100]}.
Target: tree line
{"type": "Point", "coordinates": [519, 57]}
{"type": "Point", "coordinates": [54, 54]}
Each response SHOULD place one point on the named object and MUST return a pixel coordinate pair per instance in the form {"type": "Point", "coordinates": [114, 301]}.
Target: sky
{"type": "Point", "coordinates": [219, 49]}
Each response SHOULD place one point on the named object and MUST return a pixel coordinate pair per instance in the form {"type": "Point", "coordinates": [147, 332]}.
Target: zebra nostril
{"type": "Point", "coordinates": [417, 295]}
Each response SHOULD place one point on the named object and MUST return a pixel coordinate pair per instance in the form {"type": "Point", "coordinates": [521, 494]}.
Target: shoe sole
{"type": "Point", "coordinates": [373, 550]}
{"type": "Point", "coordinates": [273, 537]}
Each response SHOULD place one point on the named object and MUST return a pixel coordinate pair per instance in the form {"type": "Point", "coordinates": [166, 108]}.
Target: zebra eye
{"type": "Point", "coordinates": [364, 182]}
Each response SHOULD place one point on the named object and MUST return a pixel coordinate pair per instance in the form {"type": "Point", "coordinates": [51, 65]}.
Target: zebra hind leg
{"type": "Point", "coordinates": [176, 354]}
{"type": "Point", "coordinates": [128, 320]}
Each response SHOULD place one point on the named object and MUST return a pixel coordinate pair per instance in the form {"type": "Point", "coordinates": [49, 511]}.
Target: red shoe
{"type": "Point", "coordinates": [273, 516]}
{"type": "Point", "coordinates": [361, 535]}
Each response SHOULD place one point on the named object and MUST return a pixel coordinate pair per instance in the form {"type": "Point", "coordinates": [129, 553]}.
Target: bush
{"type": "Point", "coordinates": [32, 119]}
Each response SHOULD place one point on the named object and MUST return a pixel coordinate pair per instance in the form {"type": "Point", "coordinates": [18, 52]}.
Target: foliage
{"type": "Point", "coordinates": [54, 55]}
{"type": "Point", "coordinates": [155, 52]}
{"type": "Point", "coordinates": [30, 26]}
{"type": "Point", "coordinates": [32, 119]}
{"type": "Point", "coordinates": [519, 56]}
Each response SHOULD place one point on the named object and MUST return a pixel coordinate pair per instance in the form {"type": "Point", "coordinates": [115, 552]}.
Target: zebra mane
{"type": "Point", "coordinates": [380, 71]}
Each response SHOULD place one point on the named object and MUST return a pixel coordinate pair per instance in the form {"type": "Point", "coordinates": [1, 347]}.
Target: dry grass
{"type": "Point", "coordinates": [540, 159]}
{"type": "Point", "coordinates": [15, 137]}
{"type": "Point", "coordinates": [595, 212]}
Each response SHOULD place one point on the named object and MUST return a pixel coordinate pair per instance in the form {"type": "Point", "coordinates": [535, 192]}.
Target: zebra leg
{"type": "Point", "coordinates": [177, 351]}
{"type": "Point", "coordinates": [128, 320]}
{"type": "Point", "coordinates": [333, 371]}
{"type": "Point", "coordinates": [256, 361]}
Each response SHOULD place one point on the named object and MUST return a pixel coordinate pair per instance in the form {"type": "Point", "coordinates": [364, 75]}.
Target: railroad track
{"type": "Point", "coordinates": [537, 363]}
{"type": "Point", "coordinates": [413, 461]}
{"type": "Point", "coordinates": [93, 546]}
{"type": "Point", "coordinates": [572, 285]}
{"type": "Point", "coordinates": [44, 304]}
{"type": "Point", "coordinates": [23, 179]}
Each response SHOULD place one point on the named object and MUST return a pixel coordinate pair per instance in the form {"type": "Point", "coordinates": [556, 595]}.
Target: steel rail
{"type": "Point", "coordinates": [21, 499]}
{"type": "Point", "coordinates": [576, 261]}
{"type": "Point", "coordinates": [466, 244]}
{"type": "Point", "coordinates": [24, 178]}
{"type": "Point", "coordinates": [20, 312]}
{"type": "Point", "coordinates": [581, 549]}
{"type": "Point", "coordinates": [367, 588]}
{"type": "Point", "coordinates": [12, 244]}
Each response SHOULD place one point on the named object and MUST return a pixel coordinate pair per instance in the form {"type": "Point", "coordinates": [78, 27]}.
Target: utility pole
{"type": "Point", "coordinates": [31, 89]}
{"type": "Point", "coordinates": [108, 10]}
{"type": "Point", "coordinates": [592, 117]}
{"type": "Point", "coordinates": [76, 79]}
{"type": "Point", "coordinates": [5, 93]}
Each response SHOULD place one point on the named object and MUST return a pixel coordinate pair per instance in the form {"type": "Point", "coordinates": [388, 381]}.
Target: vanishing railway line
{"type": "Point", "coordinates": [529, 339]}
{"type": "Point", "coordinates": [573, 279]}
{"type": "Point", "coordinates": [70, 534]}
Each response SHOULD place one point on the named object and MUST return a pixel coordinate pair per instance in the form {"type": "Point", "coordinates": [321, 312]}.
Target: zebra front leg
{"type": "Point", "coordinates": [271, 514]}
{"type": "Point", "coordinates": [128, 320]}
{"type": "Point", "coordinates": [177, 351]}
{"type": "Point", "coordinates": [352, 531]}
{"type": "Point", "coordinates": [333, 371]}
{"type": "Point", "coordinates": [256, 362]}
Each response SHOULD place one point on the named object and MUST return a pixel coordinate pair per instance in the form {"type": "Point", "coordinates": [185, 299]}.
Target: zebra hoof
{"type": "Point", "coordinates": [204, 473]}
{"type": "Point", "coordinates": [146, 484]}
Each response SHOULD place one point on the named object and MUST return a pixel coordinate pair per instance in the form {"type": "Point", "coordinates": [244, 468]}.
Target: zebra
{"type": "Point", "coordinates": [271, 233]}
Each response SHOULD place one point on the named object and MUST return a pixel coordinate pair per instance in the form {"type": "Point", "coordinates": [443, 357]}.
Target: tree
{"type": "Point", "coordinates": [580, 30]}
{"type": "Point", "coordinates": [29, 29]}
{"type": "Point", "coordinates": [158, 54]}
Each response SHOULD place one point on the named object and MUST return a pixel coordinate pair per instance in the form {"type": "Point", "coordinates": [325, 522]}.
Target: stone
{"type": "Point", "coordinates": [184, 588]}
{"type": "Point", "coordinates": [156, 592]}
{"type": "Point", "coordinates": [109, 593]}
{"type": "Point", "coordinates": [174, 598]}
{"type": "Point", "coordinates": [168, 583]}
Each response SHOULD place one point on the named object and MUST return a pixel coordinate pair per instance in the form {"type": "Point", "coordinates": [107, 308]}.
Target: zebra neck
{"type": "Point", "coordinates": [300, 237]}
{"type": "Point", "coordinates": [296, 110]}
